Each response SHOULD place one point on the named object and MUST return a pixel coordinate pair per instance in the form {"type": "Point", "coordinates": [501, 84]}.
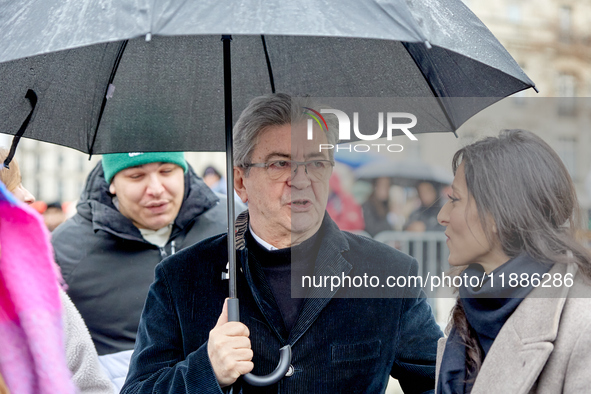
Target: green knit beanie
{"type": "Point", "coordinates": [115, 162]}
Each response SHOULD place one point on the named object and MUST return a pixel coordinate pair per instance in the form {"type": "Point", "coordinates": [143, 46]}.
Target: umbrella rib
{"type": "Point", "coordinates": [430, 85]}
{"type": "Point", "coordinates": [32, 97]}
{"type": "Point", "coordinates": [106, 95]}
{"type": "Point", "coordinates": [269, 68]}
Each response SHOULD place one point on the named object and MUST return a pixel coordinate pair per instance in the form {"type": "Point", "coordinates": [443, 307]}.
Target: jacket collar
{"type": "Point", "coordinates": [328, 262]}
{"type": "Point", "coordinates": [332, 233]}
{"type": "Point", "coordinates": [96, 205]}
{"type": "Point", "coordinates": [241, 225]}
{"type": "Point", "coordinates": [522, 347]}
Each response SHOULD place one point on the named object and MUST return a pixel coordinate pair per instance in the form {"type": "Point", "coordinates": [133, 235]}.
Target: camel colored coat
{"type": "Point", "coordinates": [544, 347]}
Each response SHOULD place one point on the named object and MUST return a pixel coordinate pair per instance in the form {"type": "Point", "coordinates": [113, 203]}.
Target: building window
{"type": "Point", "coordinates": [37, 161]}
{"type": "Point", "coordinates": [514, 13]}
{"type": "Point", "coordinates": [60, 190]}
{"type": "Point", "coordinates": [567, 150]}
{"type": "Point", "coordinates": [37, 190]}
{"type": "Point", "coordinates": [564, 23]}
{"type": "Point", "coordinates": [567, 91]}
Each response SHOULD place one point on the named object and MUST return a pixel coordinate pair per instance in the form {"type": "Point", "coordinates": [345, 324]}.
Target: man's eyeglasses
{"type": "Point", "coordinates": [317, 170]}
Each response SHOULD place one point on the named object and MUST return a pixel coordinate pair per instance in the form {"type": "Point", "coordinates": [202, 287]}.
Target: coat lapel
{"type": "Point", "coordinates": [328, 262]}
{"type": "Point", "coordinates": [511, 365]}
{"type": "Point", "coordinates": [520, 351]}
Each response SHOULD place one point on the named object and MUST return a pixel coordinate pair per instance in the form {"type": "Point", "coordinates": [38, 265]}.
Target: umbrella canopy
{"type": "Point", "coordinates": [405, 172]}
{"type": "Point", "coordinates": [106, 90]}
{"type": "Point", "coordinates": [166, 93]}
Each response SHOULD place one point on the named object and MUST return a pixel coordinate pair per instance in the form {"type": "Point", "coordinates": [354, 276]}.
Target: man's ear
{"type": "Point", "coordinates": [112, 189]}
{"type": "Point", "coordinates": [239, 178]}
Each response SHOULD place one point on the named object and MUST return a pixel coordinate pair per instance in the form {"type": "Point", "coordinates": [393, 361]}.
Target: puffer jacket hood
{"type": "Point", "coordinates": [109, 267]}
{"type": "Point", "coordinates": [96, 204]}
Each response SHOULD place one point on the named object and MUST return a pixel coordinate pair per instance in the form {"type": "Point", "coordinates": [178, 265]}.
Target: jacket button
{"type": "Point", "coordinates": [290, 370]}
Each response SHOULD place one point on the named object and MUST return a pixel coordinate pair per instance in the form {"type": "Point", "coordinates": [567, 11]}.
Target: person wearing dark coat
{"type": "Point", "coordinates": [108, 251]}
{"type": "Point", "coordinates": [344, 338]}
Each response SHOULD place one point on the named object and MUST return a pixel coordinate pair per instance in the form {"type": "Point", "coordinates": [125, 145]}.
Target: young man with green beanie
{"type": "Point", "coordinates": [148, 187]}
{"type": "Point", "coordinates": [136, 209]}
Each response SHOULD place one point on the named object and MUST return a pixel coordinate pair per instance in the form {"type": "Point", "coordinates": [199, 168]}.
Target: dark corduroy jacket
{"type": "Point", "coordinates": [339, 344]}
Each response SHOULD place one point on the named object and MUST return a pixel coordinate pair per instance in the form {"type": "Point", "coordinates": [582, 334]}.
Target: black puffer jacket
{"type": "Point", "coordinates": [109, 267]}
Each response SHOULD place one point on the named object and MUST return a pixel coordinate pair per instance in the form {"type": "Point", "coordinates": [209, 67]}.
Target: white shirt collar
{"type": "Point", "coordinates": [261, 242]}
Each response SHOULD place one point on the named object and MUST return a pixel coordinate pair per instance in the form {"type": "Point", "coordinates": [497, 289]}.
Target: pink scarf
{"type": "Point", "coordinates": [32, 352]}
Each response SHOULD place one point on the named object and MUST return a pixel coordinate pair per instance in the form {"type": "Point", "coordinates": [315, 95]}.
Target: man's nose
{"type": "Point", "coordinates": [155, 186]}
{"type": "Point", "coordinates": [300, 178]}
{"type": "Point", "coordinates": [443, 215]}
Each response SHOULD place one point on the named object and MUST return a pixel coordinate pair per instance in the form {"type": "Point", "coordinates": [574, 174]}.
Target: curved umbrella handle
{"type": "Point", "coordinates": [284, 355]}
{"type": "Point", "coordinates": [276, 375]}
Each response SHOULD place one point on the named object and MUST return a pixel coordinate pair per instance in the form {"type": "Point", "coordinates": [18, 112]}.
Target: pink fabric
{"type": "Point", "coordinates": [32, 352]}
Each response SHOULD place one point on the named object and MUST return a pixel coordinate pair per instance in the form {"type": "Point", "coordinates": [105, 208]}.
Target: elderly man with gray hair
{"type": "Point", "coordinates": [341, 340]}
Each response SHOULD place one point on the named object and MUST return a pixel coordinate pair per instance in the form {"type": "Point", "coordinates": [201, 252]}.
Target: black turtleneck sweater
{"type": "Point", "coordinates": [277, 266]}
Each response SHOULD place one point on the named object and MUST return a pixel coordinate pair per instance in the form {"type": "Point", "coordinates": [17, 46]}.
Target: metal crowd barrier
{"type": "Point", "coordinates": [428, 248]}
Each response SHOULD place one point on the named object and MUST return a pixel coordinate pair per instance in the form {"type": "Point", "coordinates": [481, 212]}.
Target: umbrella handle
{"type": "Point", "coordinates": [276, 375]}
{"type": "Point", "coordinates": [284, 355]}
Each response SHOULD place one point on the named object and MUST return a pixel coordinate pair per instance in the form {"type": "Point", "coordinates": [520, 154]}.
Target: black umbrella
{"type": "Point", "coordinates": [106, 90]}
{"type": "Point", "coordinates": [164, 86]}
{"type": "Point", "coordinates": [166, 94]}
